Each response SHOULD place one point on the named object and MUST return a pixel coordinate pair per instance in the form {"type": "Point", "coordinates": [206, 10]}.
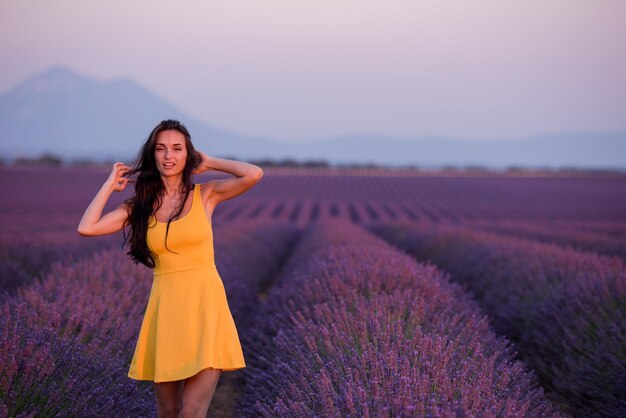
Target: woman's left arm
{"type": "Point", "coordinates": [246, 176]}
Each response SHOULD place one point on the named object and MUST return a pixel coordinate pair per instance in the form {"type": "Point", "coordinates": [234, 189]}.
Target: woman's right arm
{"type": "Point", "coordinates": [92, 222]}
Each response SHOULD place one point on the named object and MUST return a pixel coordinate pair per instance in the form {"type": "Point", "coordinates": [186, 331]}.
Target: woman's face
{"type": "Point", "coordinates": [170, 152]}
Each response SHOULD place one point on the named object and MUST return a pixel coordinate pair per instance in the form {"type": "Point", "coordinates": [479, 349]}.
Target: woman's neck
{"type": "Point", "coordinates": [172, 184]}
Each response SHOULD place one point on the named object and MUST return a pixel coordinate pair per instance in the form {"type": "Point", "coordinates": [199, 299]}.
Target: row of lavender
{"type": "Point", "coordinates": [372, 210]}
{"type": "Point", "coordinates": [30, 196]}
{"type": "Point", "coordinates": [354, 327]}
{"type": "Point", "coordinates": [564, 309]}
{"type": "Point", "coordinates": [441, 198]}
{"type": "Point", "coordinates": [40, 209]}
{"type": "Point", "coordinates": [66, 342]}
{"type": "Point", "coordinates": [603, 237]}
{"type": "Point", "coordinates": [25, 257]}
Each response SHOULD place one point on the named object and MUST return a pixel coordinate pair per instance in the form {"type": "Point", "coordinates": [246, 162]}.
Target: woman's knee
{"type": "Point", "coordinates": [194, 408]}
{"type": "Point", "coordinates": [168, 412]}
{"type": "Point", "coordinates": [168, 398]}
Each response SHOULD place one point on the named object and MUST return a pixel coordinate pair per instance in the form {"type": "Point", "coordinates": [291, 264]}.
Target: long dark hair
{"type": "Point", "coordinates": [149, 190]}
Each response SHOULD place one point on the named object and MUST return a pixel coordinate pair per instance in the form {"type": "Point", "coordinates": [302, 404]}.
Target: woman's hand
{"type": "Point", "coordinates": [92, 222]}
{"type": "Point", "coordinates": [202, 163]}
{"type": "Point", "coordinates": [116, 179]}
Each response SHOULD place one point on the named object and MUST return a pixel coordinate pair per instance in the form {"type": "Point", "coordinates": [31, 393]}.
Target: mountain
{"type": "Point", "coordinates": [62, 112]}
{"type": "Point", "coordinates": [68, 114]}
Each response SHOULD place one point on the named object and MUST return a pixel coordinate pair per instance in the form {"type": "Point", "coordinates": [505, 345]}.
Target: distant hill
{"type": "Point", "coordinates": [67, 114]}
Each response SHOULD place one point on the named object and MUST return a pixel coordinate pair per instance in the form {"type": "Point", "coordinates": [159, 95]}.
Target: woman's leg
{"type": "Point", "coordinates": [169, 396]}
{"type": "Point", "coordinates": [198, 392]}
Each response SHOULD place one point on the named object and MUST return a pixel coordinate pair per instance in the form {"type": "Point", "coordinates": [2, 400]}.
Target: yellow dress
{"type": "Point", "coordinates": [187, 325]}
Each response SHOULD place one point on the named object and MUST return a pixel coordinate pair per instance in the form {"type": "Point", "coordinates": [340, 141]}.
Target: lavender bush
{"type": "Point", "coordinates": [98, 300]}
{"type": "Point", "coordinates": [356, 328]}
{"type": "Point", "coordinates": [26, 257]}
{"type": "Point", "coordinates": [98, 303]}
{"type": "Point", "coordinates": [568, 234]}
{"type": "Point", "coordinates": [248, 255]}
{"type": "Point", "coordinates": [42, 375]}
{"type": "Point", "coordinates": [563, 308]}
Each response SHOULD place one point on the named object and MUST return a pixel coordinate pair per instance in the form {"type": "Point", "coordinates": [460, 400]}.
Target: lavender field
{"type": "Point", "coordinates": [355, 293]}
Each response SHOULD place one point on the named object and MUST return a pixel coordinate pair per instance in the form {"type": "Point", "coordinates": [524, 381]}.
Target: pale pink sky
{"type": "Point", "coordinates": [298, 70]}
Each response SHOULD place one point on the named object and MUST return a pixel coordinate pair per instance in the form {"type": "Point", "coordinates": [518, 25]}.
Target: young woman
{"type": "Point", "coordinates": [188, 336]}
